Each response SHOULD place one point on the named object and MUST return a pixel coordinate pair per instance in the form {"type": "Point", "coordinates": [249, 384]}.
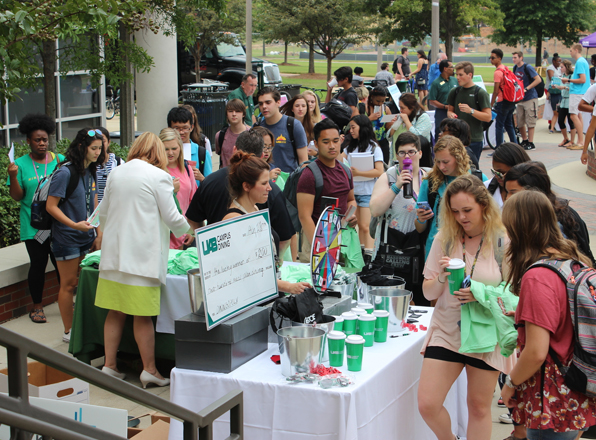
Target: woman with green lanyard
{"type": "Point", "coordinates": [23, 176]}
{"type": "Point", "coordinates": [471, 231]}
{"type": "Point", "coordinates": [72, 235]}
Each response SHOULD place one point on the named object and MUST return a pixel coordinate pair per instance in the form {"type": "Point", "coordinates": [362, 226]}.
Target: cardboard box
{"type": "Point", "coordinates": [49, 383]}
{"type": "Point", "coordinates": [155, 416]}
{"type": "Point", "coordinates": [157, 431]}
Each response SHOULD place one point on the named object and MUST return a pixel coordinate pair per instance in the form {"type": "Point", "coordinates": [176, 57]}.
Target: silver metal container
{"type": "Point", "coordinates": [326, 326]}
{"type": "Point", "coordinates": [344, 289]}
{"type": "Point", "coordinates": [195, 290]}
{"type": "Point", "coordinates": [299, 347]}
{"type": "Point", "coordinates": [362, 291]}
{"type": "Point", "coordinates": [394, 299]}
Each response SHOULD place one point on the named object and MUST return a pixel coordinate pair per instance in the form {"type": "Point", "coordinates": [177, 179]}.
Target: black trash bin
{"type": "Point", "coordinates": [209, 101]}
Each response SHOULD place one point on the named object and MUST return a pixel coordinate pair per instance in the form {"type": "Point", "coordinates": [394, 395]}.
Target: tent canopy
{"type": "Point", "coordinates": [589, 41]}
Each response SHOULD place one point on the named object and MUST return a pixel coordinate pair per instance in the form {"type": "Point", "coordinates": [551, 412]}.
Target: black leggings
{"type": "Point", "coordinates": [564, 113]}
{"type": "Point", "coordinates": [38, 254]}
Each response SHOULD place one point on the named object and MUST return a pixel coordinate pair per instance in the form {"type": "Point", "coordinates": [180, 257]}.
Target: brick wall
{"type": "Point", "coordinates": [591, 165]}
{"type": "Point", "coordinates": [15, 299]}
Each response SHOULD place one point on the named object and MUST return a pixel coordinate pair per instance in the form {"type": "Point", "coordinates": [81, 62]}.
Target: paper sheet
{"type": "Point", "coordinates": [387, 118]}
{"type": "Point", "coordinates": [363, 162]}
{"type": "Point", "coordinates": [395, 94]}
{"type": "Point", "coordinates": [11, 153]}
{"type": "Point", "coordinates": [186, 149]}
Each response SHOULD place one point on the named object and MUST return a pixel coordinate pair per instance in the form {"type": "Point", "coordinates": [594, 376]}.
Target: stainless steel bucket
{"type": "Point", "coordinates": [195, 290]}
{"type": "Point", "coordinates": [394, 299]}
{"type": "Point", "coordinates": [326, 326]}
{"type": "Point", "coordinates": [299, 347]}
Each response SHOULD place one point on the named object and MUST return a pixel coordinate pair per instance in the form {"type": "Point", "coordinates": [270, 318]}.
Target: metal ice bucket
{"type": "Point", "coordinates": [195, 290]}
{"type": "Point", "coordinates": [299, 347]}
{"type": "Point", "coordinates": [395, 300]}
{"type": "Point", "coordinates": [327, 325]}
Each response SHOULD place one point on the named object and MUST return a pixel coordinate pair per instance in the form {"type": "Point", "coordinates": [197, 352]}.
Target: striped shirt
{"type": "Point", "coordinates": [103, 171]}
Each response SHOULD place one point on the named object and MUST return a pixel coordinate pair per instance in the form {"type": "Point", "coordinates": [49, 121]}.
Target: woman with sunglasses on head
{"type": "Point", "coordinates": [535, 388]}
{"type": "Point", "coordinates": [72, 235]}
{"type": "Point", "coordinates": [137, 214]}
{"type": "Point", "coordinates": [110, 162]}
{"type": "Point", "coordinates": [505, 157]}
{"type": "Point", "coordinates": [412, 118]}
{"type": "Point", "coordinates": [298, 108]}
{"type": "Point", "coordinates": [533, 175]}
{"type": "Point", "coordinates": [23, 177]}
{"type": "Point", "coordinates": [471, 230]}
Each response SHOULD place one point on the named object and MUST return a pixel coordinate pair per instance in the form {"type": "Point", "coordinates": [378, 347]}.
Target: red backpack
{"type": "Point", "coordinates": [512, 86]}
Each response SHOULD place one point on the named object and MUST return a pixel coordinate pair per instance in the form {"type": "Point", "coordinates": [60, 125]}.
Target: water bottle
{"type": "Point", "coordinates": [407, 187]}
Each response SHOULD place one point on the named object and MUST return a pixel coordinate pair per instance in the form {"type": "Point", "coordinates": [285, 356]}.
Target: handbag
{"type": "Point", "coordinates": [305, 308]}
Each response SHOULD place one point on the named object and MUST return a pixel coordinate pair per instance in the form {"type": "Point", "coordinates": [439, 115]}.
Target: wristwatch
{"type": "Point", "coordinates": [509, 383]}
{"type": "Point", "coordinates": [472, 111]}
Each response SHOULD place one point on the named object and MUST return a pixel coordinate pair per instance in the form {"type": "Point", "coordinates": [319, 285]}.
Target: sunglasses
{"type": "Point", "coordinates": [96, 132]}
{"type": "Point", "coordinates": [498, 174]}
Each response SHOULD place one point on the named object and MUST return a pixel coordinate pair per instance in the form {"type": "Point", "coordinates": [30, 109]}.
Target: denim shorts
{"type": "Point", "coordinates": [362, 200]}
{"type": "Point", "coordinates": [69, 252]}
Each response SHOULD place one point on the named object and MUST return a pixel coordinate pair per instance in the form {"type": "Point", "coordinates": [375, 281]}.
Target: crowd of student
{"type": "Point", "coordinates": [451, 210]}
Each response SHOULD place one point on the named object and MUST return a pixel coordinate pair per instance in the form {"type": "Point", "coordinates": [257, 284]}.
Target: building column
{"type": "Point", "coordinates": [157, 90]}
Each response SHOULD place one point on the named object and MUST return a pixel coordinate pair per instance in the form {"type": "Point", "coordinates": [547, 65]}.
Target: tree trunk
{"type": "Point", "coordinates": [285, 52]}
{"type": "Point", "coordinates": [311, 57]}
{"type": "Point", "coordinates": [196, 54]}
{"type": "Point", "coordinates": [539, 48]}
{"type": "Point", "coordinates": [48, 57]}
{"type": "Point", "coordinates": [329, 62]}
{"type": "Point", "coordinates": [127, 102]}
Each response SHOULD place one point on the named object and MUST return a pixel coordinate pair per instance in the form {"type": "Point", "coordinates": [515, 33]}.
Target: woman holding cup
{"type": "Point", "coordinates": [471, 231]}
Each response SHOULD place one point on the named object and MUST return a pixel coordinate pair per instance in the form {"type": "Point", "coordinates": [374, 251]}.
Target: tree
{"type": "Point", "coordinates": [411, 19]}
{"type": "Point", "coordinates": [561, 19]}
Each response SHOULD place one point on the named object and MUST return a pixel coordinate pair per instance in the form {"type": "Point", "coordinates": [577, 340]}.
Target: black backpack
{"type": "Point", "coordinates": [40, 218]}
{"type": "Point", "coordinates": [291, 186]}
{"type": "Point", "coordinates": [540, 87]}
{"type": "Point", "coordinates": [338, 111]}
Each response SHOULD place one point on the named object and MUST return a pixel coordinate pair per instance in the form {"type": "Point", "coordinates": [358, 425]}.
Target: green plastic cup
{"type": "Point", "coordinates": [381, 325]}
{"type": "Point", "coordinates": [354, 350]}
{"type": "Point", "coordinates": [457, 272]}
{"type": "Point", "coordinates": [337, 346]}
{"type": "Point", "coordinates": [350, 320]}
{"type": "Point", "coordinates": [367, 307]}
{"type": "Point", "coordinates": [366, 329]}
{"type": "Point", "coordinates": [339, 323]}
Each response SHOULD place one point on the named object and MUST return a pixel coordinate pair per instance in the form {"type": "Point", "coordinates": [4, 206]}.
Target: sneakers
{"type": "Point", "coordinates": [66, 337]}
{"type": "Point", "coordinates": [500, 403]}
{"type": "Point", "coordinates": [506, 418]}
{"type": "Point", "coordinates": [527, 145]}
{"type": "Point", "coordinates": [512, 437]}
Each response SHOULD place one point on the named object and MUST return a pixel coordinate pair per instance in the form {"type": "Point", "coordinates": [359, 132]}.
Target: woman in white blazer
{"type": "Point", "coordinates": [137, 213]}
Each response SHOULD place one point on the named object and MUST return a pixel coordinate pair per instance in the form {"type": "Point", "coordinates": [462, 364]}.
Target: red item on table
{"type": "Point", "coordinates": [322, 370]}
{"type": "Point", "coordinates": [276, 359]}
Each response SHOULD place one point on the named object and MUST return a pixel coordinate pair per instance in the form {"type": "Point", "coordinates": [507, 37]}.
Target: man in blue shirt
{"type": "Point", "coordinates": [578, 85]}
{"type": "Point", "coordinates": [290, 148]}
{"type": "Point", "coordinates": [434, 71]}
{"type": "Point", "coordinates": [527, 110]}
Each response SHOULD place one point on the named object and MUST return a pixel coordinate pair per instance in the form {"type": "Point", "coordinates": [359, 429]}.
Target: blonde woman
{"type": "Point", "coordinates": [138, 212]}
{"type": "Point", "coordinates": [471, 230]}
{"type": "Point", "coordinates": [313, 106]}
{"type": "Point", "coordinates": [185, 185]}
{"type": "Point", "coordinates": [451, 160]}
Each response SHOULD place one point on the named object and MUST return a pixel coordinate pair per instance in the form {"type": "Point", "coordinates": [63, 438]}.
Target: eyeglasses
{"type": "Point", "coordinates": [182, 129]}
{"type": "Point", "coordinates": [409, 153]}
{"type": "Point", "coordinates": [493, 58]}
{"type": "Point", "coordinates": [96, 132]}
{"type": "Point", "coordinates": [268, 148]}
{"type": "Point", "coordinates": [498, 174]}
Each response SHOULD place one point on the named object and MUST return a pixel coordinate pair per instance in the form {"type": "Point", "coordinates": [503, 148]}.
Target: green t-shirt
{"type": "Point", "coordinates": [440, 88]}
{"type": "Point", "coordinates": [248, 102]}
{"type": "Point", "coordinates": [466, 96]}
{"type": "Point", "coordinates": [27, 176]}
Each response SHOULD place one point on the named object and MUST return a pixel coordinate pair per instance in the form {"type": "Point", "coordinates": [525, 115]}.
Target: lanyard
{"type": "Point", "coordinates": [88, 191]}
{"type": "Point", "coordinates": [45, 172]}
{"type": "Point", "coordinates": [463, 243]}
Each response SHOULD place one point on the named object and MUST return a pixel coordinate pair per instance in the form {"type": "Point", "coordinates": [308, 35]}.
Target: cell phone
{"type": "Point", "coordinates": [423, 205]}
{"type": "Point", "coordinates": [377, 108]}
{"type": "Point", "coordinates": [467, 282]}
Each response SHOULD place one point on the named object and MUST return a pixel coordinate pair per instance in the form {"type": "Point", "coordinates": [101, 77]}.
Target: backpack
{"type": "Point", "coordinates": [512, 87]}
{"type": "Point", "coordinates": [485, 125]}
{"type": "Point", "coordinates": [580, 375]}
{"type": "Point", "coordinates": [338, 111]}
{"type": "Point", "coordinates": [40, 218]}
{"type": "Point", "coordinates": [291, 186]}
{"type": "Point", "coordinates": [540, 87]}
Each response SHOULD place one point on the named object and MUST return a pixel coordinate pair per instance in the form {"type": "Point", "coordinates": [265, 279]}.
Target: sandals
{"type": "Point", "coordinates": [565, 144]}
{"type": "Point", "coordinates": [37, 316]}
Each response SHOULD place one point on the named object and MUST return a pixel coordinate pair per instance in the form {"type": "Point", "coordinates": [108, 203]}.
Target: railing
{"type": "Point", "coordinates": [24, 418]}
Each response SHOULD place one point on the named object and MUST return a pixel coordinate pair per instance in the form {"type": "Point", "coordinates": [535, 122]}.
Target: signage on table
{"type": "Point", "coordinates": [237, 266]}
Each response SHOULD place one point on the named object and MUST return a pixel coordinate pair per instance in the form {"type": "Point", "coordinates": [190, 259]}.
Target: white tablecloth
{"type": "Point", "coordinates": [548, 114]}
{"type": "Point", "coordinates": [381, 404]}
{"type": "Point", "coordinates": [174, 303]}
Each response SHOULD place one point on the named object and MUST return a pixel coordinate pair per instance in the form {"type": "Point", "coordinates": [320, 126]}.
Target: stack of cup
{"type": "Point", "coordinates": [381, 325]}
{"type": "Point", "coordinates": [457, 274]}
{"type": "Point", "coordinates": [354, 350]}
{"type": "Point", "coordinates": [337, 342]}
{"type": "Point", "coordinates": [339, 323]}
{"type": "Point", "coordinates": [366, 328]}
{"type": "Point", "coordinates": [349, 327]}
{"type": "Point", "coordinates": [366, 307]}
{"type": "Point", "coordinates": [358, 311]}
